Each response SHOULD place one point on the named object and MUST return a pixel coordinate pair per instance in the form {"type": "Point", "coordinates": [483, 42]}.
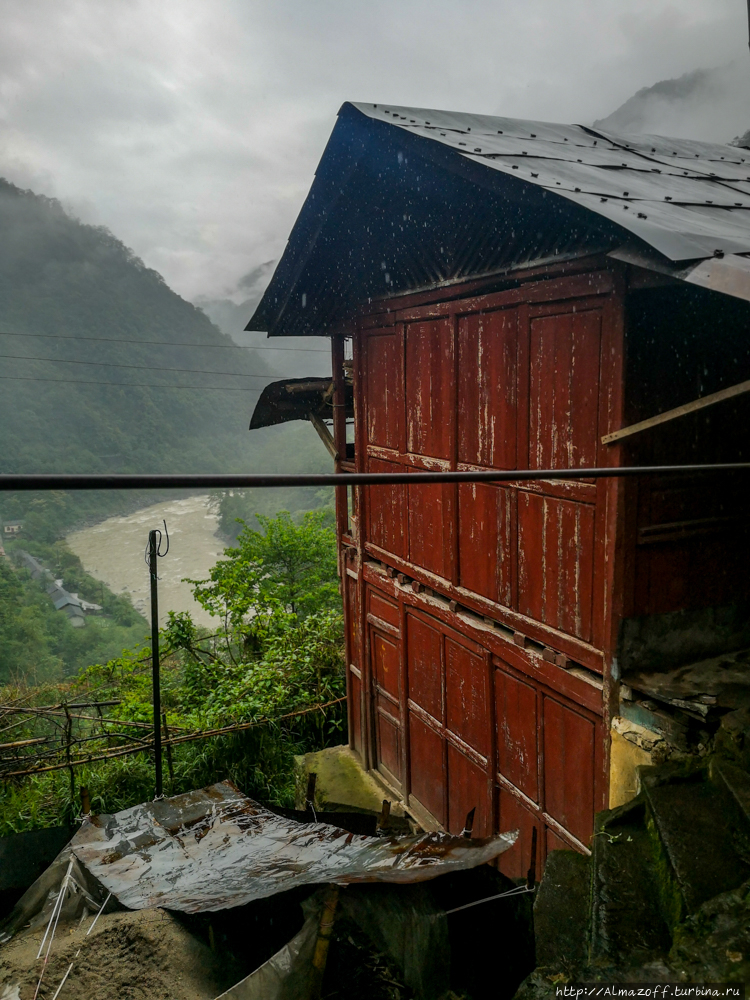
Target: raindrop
{"type": "Point", "coordinates": [304, 299]}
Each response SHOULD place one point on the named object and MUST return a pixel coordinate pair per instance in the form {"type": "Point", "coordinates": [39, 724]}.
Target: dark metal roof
{"type": "Point", "coordinates": [408, 198]}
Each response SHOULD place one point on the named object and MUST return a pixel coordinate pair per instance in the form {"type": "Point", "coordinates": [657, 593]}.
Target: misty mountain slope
{"type": "Point", "coordinates": [58, 276]}
{"type": "Point", "coordinates": [310, 355]}
{"type": "Point", "coordinates": [712, 105]}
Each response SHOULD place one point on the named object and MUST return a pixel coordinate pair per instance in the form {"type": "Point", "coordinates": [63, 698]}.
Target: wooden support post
{"type": "Point", "coordinates": [312, 779]}
{"type": "Point", "coordinates": [385, 814]}
{"type": "Point", "coordinates": [339, 398]}
{"type": "Point", "coordinates": [531, 874]}
{"type": "Point", "coordinates": [678, 411]}
{"type": "Point", "coordinates": [325, 436]}
{"type": "Point", "coordinates": [320, 956]}
{"type": "Point", "coordinates": [170, 764]}
{"type": "Point", "coordinates": [469, 824]}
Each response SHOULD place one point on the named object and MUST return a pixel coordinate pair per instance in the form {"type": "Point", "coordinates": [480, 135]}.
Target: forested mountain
{"type": "Point", "coordinates": [62, 279]}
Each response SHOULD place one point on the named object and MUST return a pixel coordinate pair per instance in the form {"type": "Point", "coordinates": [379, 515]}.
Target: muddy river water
{"type": "Point", "coordinates": [113, 551]}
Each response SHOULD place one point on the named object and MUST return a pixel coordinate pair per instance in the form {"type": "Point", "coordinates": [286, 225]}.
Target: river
{"type": "Point", "coordinates": [113, 551]}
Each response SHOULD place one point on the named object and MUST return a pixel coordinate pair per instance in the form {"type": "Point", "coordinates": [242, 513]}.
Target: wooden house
{"type": "Point", "coordinates": [506, 295]}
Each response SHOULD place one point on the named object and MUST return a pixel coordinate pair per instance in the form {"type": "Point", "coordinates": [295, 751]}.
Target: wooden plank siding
{"type": "Point", "coordinates": [450, 709]}
{"type": "Point", "coordinates": [488, 725]}
{"type": "Point", "coordinates": [504, 386]}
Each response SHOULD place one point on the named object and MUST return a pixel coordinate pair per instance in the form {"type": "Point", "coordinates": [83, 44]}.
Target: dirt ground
{"type": "Point", "coordinates": [141, 955]}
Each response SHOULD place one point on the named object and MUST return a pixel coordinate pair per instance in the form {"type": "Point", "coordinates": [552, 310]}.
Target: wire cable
{"type": "Point", "coordinates": [164, 343]}
{"type": "Point", "coordinates": [148, 368]}
{"type": "Point", "coordinates": [132, 385]}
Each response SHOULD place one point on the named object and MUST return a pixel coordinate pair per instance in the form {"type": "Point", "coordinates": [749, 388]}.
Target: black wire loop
{"type": "Point", "coordinates": [161, 538]}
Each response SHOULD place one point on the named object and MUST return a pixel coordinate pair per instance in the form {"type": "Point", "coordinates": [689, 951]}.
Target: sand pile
{"type": "Point", "coordinates": [132, 955]}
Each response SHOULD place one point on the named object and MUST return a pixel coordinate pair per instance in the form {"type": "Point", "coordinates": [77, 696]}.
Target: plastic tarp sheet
{"type": "Point", "coordinates": [215, 848]}
{"type": "Point", "coordinates": [401, 922]}
{"type": "Point", "coordinates": [83, 894]}
{"type": "Point", "coordinates": [286, 975]}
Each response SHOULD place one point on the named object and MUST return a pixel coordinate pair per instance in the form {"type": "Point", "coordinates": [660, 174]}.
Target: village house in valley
{"type": "Point", "coordinates": [506, 294]}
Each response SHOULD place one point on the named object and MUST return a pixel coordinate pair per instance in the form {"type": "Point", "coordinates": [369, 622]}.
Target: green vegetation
{"type": "Point", "coordinates": [278, 649]}
{"type": "Point", "coordinates": [292, 565]}
{"type": "Point", "coordinates": [37, 643]}
{"type": "Point", "coordinates": [80, 394]}
{"type": "Point", "coordinates": [238, 507]}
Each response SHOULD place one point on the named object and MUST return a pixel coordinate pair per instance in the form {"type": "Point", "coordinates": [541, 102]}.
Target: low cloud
{"type": "Point", "coordinates": [193, 129]}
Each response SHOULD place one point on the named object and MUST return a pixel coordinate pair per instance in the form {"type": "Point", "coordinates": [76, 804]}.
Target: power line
{"type": "Point", "coordinates": [130, 385]}
{"type": "Point", "coordinates": [164, 343]}
{"type": "Point", "coordinates": [150, 368]}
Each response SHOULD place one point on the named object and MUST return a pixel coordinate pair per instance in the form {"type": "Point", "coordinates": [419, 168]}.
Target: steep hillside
{"type": "Point", "coordinates": [121, 406]}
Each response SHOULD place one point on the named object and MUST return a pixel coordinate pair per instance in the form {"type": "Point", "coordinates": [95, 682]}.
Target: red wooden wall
{"type": "Point", "coordinates": [456, 696]}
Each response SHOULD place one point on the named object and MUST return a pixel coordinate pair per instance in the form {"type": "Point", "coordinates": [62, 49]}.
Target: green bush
{"type": "Point", "coordinates": [278, 652]}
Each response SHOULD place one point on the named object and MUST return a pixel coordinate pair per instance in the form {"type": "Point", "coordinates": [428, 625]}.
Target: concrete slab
{"type": "Point", "coordinates": [342, 783]}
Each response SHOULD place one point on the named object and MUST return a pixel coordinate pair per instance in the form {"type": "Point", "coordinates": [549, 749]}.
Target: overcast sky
{"type": "Point", "coordinates": [191, 128]}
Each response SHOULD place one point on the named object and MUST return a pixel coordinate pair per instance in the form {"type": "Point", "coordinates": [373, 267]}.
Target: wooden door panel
{"type": "Point", "coordinates": [484, 541]}
{"type": "Point", "coordinates": [354, 665]}
{"type": "Point", "coordinates": [429, 373]}
{"type": "Point", "coordinates": [382, 608]}
{"type": "Point", "coordinates": [556, 562]}
{"type": "Point", "coordinates": [569, 768]}
{"type": "Point", "coordinates": [385, 391]}
{"type": "Point", "coordinates": [564, 376]}
{"type": "Point", "coordinates": [513, 815]}
{"type": "Point", "coordinates": [388, 742]}
{"type": "Point", "coordinates": [384, 652]}
{"type": "Point", "coordinates": [429, 527]}
{"type": "Point", "coordinates": [487, 388]}
{"type": "Point", "coordinates": [386, 511]}
{"type": "Point", "coordinates": [517, 732]}
{"type": "Point", "coordinates": [468, 788]}
{"type": "Point", "coordinates": [555, 843]}
{"type": "Point", "coordinates": [354, 711]}
{"type": "Point", "coordinates": [427, 769]}
{"type": "Point", "coordinates": [466, 703]}
{"type": "Point", "coordinates": [424, 666]}
{"type": "Point", "coordinates": [352, 616]}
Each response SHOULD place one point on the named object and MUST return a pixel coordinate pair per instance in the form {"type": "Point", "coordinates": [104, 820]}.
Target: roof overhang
{"type": "Point", "coordinates": [298, 399]}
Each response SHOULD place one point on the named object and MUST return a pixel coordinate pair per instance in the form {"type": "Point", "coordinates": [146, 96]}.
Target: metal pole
{"type": "Point", "coordinates": [220, 481]}
{"type": "Point", "coordinates": [152, 554]}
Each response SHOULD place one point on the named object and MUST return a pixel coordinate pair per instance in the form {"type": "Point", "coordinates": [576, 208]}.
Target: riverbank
{"type": "Point", "coordinates": [113, 551]}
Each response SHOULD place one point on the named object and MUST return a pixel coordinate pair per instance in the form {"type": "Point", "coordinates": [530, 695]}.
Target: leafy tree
{"type": "Point", "coordinates": [289, 565]}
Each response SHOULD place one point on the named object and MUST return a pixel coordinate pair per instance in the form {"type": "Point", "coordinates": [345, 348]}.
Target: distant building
{"type": "Point", "coordinates": [71, 604]}
{"type": "Point", "coordinates": [13, 527]}
{"type": "Point", "coordinates": [68, 603]}
{"type": "Point", "coordinates": [33, 565]}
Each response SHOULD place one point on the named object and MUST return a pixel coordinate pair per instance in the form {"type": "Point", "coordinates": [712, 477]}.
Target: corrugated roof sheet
{"type": "Point", "coordinates": [407, 198]}
{"type": "Point", "coordinates": [682, 197]}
